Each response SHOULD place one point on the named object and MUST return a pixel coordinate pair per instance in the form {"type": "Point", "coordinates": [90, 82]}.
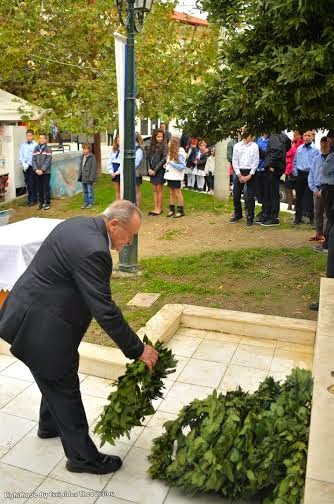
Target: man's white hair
{"type": "Point", "coordinates": [122, 210]}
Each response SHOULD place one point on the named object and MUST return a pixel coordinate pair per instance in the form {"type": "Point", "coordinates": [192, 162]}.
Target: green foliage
{"type": "Point", "coordinates": [62, 58]}
{"type": "Point", "coordinates": [132, 400]}
{"type": "Point", "coordinates": [276, 67]}
{"type": "Point", "coordinates": [240, 444]}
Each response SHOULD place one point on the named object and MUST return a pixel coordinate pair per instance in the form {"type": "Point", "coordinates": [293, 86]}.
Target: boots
{"type": "Point", "coordinates": [171, 211]}
{"type": "Point", "coordinates": [179, 213]}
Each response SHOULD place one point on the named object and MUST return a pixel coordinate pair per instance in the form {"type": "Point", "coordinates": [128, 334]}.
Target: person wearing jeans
{"type": "Point", "coordinates": [87, 175]}
{"type": "Point", "coordinates": [245, 162]}
{"type": "Point", "coordinates": [26, 153]}
{"type": "Point", "coordinates": [41, 163]}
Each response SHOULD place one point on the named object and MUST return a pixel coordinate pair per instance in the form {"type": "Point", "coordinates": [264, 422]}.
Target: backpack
{"type": "Point", "coordinates": [141, 170]}
{"type": "Point", "coordinates": [278, 146]}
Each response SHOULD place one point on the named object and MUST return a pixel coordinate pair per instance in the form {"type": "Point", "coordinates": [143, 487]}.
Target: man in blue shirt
{"type": "Point", "coordinates": [301, 166]}
{"type": "Point", "coordinates": [26, 152]}
{"type": "Point", "coordinates": [314, 183]}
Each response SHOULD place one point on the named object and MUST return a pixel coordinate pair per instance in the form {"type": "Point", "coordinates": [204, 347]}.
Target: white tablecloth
{"type": "Point", "coordinates": [19, 243]}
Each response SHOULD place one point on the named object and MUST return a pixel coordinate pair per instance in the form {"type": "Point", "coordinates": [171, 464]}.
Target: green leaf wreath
{"type": "Point", "coordinates": [132, 400]}
{"type": "Point", "coordinates": [239, 444]}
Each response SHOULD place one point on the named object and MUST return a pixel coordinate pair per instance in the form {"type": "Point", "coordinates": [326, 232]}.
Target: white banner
{"type": "Point", "coordinates": [120, 55]}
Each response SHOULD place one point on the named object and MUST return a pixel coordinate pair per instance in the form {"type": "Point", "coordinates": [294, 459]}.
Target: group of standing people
{"type": "Point", "coordinates": [36, 160]}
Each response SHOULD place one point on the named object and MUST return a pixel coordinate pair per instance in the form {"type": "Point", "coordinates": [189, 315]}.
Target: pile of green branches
{"type": "Point", "coordinates": [132, 400]}
{"type": "Point", "coordinates": [240, 445]}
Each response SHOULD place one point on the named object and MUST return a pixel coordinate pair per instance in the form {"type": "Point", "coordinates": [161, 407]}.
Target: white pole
{"type": "Point", "coordinates": [222, 173]}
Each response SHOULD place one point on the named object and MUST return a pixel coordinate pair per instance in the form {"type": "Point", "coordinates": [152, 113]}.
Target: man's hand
{"type": "Point", "coordinates": [317, 194]}
{"type": "Point", "coordinates": [241, 179]}
{"type": "Point", "coordinates": [272, 169]}
{"type": "Point", "coordinates": [149, 356]}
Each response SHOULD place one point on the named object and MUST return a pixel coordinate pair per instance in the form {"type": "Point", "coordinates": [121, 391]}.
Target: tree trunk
{"type": "Point", "coordinates": [97, 152]}
{"type": "Point", "coordinates": [97, 136]}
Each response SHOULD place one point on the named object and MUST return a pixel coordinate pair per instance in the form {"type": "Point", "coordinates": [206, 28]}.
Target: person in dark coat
{"type": "Point", "coordinates": [157, 154]}
{"type": "Point", "coordinates": [87, 175]}
{"type": "Point", "coordinates": [41, 164]}
{"type": "Point", "coordinates": [48, 312]}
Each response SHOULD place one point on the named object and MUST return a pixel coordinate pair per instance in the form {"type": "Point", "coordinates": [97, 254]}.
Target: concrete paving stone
{"type": "Point", "coordinates": [58, 492]}
{"type": "Point", "coordinates": [261, 342]}
{"type": "Point", "coordinates": [13, 428]}
{"type": "Point", "coordinates": [217, 351]}
{"type": "Point", "coordinates": [34, 454]}
{"type": "Point", "coordinates": [93, 407]}
{"type": "Point", "coordinates": [177, 496]}
{"type": "Point", "coordinates": [18, 370]}
{"type": "Point", "coordinates": [183, 346]}
{"type": "Point", "coordinates": [247, 378]}
{"type": "Point", "coordinates": [97, 387]}
{"type": "Point", "coordinates": [144, 299]}
{"type": "Point", "coordinates": [133, 483]}
{"type": "Point", "coordinates": [181, 394]}
{"type": "Point", "coordinates": [285, 360]}
{"type": "Point", "coordinates": [202, 372]}
{"type": "Point", "coordinates": [245, 355]}
{"type": "Point", "coordinates": [5, 361]}
{"type": "Point", "coordinates": [10, 388]}
{"type": "Point", "coordinates": [26, 404]}
{"type": "Point", "coordinates": [181, 363]}
{"type": "Point", "coordinates": [17, 481]}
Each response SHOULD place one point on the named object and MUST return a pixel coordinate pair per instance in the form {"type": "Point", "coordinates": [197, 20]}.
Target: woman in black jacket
{"type": "Point", "coordinates": [157, 154]}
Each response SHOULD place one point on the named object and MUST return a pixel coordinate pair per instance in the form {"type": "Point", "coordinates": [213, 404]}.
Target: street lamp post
{"type": "Point", "coordinates": [131, 14]}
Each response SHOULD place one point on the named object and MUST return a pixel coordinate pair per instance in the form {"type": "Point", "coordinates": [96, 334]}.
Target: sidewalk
{"type": "Point", "coordinates": [31, 464]}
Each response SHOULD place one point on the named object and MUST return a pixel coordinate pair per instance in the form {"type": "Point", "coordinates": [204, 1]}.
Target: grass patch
{"type": "Point", "coordinates": [270, 281]}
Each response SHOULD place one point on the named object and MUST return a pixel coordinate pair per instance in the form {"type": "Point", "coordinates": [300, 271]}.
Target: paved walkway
{"type": "Point", "coordinates": [206, 361]}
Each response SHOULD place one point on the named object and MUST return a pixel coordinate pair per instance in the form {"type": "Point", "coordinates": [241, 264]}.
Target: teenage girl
{"type": "Point", "coordinates": [175, 166]}
{"type": "Point", "coordinates": [157, 154]}
{"type": "Point", "coordinates": [201, 157]}
{"type": "Point", "coordinates": [113, 166]}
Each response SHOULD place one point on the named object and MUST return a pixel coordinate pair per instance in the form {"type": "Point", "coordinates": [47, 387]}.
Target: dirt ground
{"type": "Point", "coordinates": [193, 233]}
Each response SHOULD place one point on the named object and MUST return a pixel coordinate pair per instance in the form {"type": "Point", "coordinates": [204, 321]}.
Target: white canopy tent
{"type": "Point", "coordinates": [13, 108]}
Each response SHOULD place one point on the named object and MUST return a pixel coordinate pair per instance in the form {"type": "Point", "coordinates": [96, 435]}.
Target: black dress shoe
{"type": "Point", "coordinates": [107, 464]}
{"type": "Point", "coordinates": [314, 306]}
{"type": "Point", "coordinates": [46, 434]}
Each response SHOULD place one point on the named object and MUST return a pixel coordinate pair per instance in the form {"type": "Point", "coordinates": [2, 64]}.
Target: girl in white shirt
{"type": "Point", "coordinates": [113, 166]}
{"type": "Point", "coordinates": [175, 166]}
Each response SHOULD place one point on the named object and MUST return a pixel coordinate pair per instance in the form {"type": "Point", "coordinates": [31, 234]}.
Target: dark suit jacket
{"type": "Point", "coordinates": [52, 304]}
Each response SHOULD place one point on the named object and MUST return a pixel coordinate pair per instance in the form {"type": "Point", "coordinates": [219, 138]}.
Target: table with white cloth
{"type": "Point", "coordinates": [19, 242]}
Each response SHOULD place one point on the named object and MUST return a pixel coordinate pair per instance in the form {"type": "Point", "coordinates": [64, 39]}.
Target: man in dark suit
{"type": "Point", "coordinates": [48, 312]}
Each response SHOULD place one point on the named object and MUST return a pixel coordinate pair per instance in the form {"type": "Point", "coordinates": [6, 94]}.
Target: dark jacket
{"type": "Point", "coordinates": [42, 158]}
{"type": "Point", "coordinates": [52, 304]}
{"type": "Point", "coordinates": [87, 171]}
{"type": "Point", "coordinates": [275, 156]}
{"type": "Point", "coordinates": [157, 157]}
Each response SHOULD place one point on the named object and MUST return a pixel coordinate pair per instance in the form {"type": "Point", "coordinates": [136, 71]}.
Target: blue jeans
{"type": "Point", "coordinates": [88, 191]}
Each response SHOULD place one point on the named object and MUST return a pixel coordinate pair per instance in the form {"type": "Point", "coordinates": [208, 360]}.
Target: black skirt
{"type": "Point", "coordinates": [290, 182]}
{"type": "Point", "coordinates": [158, 178]}
{"type": "Point", "coordinates": [117, 179]}
{"type": "Point", "coordinates": [174, 184]}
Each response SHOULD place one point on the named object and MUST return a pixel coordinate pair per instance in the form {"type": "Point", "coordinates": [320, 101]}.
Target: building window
{"type": "Point", "coordinates": [154, 124]}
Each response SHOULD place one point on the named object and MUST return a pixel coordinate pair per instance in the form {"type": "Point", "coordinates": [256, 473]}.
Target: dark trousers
{"type": "Point", "coordinates": [303, 194]}
{"type": "Point", "coordinates": [259, 185]}
{"type": "Point", "coordinates": [249, 195]}
{"type": "Point", "coordinates": [271, 203]}
{"type": "Point", "coordinates": [30, 182]}
{"type": "Point", "coordinates": [327, 193]}
{"type": "Point", "coordinates": [210, 180]}
{"type": "Point", "coordinates": [62, 411]}
{"type": "Point", "coordinates": [43, 188]}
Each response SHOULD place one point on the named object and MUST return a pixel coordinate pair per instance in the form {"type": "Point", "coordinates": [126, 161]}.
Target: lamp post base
{"type": "Point", "coordinates": [128, 258]}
